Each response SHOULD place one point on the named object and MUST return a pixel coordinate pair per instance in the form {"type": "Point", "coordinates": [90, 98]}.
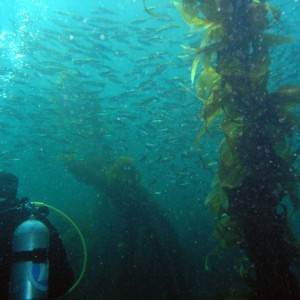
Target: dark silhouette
{"type": "Point", "coordinates": [152, 263]}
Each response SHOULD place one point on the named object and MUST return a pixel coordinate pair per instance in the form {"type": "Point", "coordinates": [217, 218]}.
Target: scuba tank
{"type": "Point", "coordinates": [29, 272]}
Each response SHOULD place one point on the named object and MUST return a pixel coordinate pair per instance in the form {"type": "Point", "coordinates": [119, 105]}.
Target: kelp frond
{"type": "Point", "coordinates": [188, 10]}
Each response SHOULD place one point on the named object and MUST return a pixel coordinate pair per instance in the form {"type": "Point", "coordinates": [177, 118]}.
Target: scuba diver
{"type": "Point", "coordinates": [33, 260]}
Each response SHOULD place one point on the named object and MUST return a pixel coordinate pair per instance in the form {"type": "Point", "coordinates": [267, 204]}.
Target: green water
{"type": "Point", "coordinates": [105, 77]}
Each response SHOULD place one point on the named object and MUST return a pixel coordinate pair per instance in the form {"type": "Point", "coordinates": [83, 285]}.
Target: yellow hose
{"type": "Point", "coordinates": [38, 204]}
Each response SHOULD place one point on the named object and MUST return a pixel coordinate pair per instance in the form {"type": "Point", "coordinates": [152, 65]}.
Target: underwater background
{"type": "Point", "coordinates": [85, 78]}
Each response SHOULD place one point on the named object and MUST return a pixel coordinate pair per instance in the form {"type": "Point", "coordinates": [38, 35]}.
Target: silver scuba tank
{"type": "Point", "coordinates": [29, 272]}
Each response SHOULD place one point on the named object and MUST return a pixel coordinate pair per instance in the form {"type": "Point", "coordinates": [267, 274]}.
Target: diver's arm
{"type": "Point", "coordinates": [61, 275]}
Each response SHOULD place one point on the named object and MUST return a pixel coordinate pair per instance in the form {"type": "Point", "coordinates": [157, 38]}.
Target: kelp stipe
{"type": "Point", "coordinates": [151, 257]}
{"type": "Point", "coordinates": [258, 151]}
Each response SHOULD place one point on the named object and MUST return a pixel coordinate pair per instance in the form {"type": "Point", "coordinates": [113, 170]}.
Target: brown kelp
{"type": "Point", "coordinates": [256, 174]}
{"type": "Point", "coordinates": [151, 263]}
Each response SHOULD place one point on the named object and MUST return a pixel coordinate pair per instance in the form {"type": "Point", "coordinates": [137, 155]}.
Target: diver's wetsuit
{"type": "Point", "coordinates": [61, 276]}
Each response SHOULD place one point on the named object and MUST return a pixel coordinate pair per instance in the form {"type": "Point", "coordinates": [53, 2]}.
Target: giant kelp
{"type": "Point", "coordinates": [257, 154]}
{"type": "Point", "coordinates": [151, 262]}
